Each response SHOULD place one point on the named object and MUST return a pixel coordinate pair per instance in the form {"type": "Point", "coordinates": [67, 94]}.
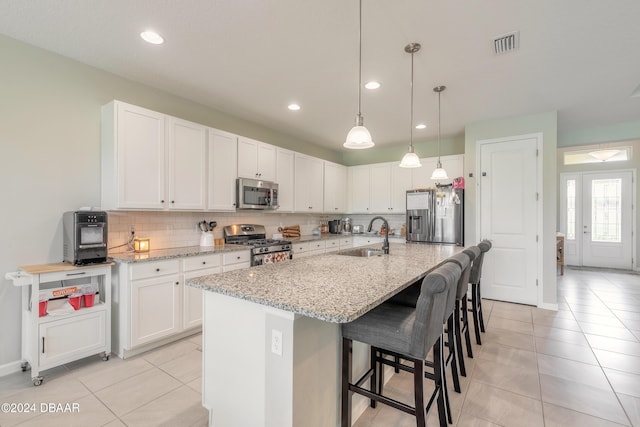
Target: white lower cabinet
{"type": "Point", "coordinates": [154, 305]}
{"type": "Point", "coordinates": [72, 338]}
{"type": "Point", "coordinates": [300, 249]}
{"type": "Point", "coordinates": [192, 297]}
{"type": "Point", "coordinates": [156, 308]}
{"type": "Point", "coordinates": [366, 240]}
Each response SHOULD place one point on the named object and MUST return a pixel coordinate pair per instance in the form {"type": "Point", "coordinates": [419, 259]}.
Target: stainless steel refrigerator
{"type": "Point", "coordinates": [436, 215]}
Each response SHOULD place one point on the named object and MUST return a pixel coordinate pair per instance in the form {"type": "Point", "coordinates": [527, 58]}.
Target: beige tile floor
{"type": "Point", "coordinates": [579, 366]}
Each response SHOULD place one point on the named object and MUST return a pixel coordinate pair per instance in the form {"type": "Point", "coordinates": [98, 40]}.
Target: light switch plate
{"type": "Point", "coordinates": [276, 342]}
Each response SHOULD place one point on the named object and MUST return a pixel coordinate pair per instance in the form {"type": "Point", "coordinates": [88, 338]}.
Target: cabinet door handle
{"type": "Point", "coordinates": [173, 201]}
{"type": "Point", "coordinates": [77, 274]}
{"type": "Point", "coordinates": [42, 345]}
{"type": "Point", "coordinates": [161, 201]}
{"type": "Point", "coordinates": [204, 262]}
{"type": "Point", "coordinates": [177, 283]}
{"type": "Point", "coordinates": [157, 269]}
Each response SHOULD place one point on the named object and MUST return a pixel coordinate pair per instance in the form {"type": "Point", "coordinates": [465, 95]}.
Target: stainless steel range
{"type": "Point", "coordinates": [264, 251]}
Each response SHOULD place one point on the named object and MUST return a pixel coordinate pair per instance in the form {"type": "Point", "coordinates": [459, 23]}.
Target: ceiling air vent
{"type": "Point", "coordinates": [507, 42]}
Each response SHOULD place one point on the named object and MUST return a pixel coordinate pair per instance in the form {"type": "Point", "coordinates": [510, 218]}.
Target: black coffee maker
{"type": "Point", "coordinates": [335, 226]}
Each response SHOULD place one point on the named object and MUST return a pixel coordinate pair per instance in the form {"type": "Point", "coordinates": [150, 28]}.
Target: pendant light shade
{"type": "Point", "coordinates": [439, 173]}
{"type": "Point", "coordinates": [359, 137]}
{"type": "Point", "coordinates": [411, 159]}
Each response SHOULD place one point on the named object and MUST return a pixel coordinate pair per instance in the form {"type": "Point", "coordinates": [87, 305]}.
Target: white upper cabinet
{"type": "Point", "coordinates": [359, 187]}
{"type": "Point", "coordinates": [187, 161]}
{"type": "Point", "coordinates": [309, 184]}
{"type": "Point", "coordinates": [151, 161]}
{"type": "Point", "coordinates": [401, 181]}
{"type": "Point", "coordinates": [454, 165]}
{"type": "Point", "coordinates": [335, 188]}
{"type": "Point", "coordinates": [133, 157]}
{"type": "Point", "coordinates": [389, 184]}
{"type": "Point", "coordinates": [256, 159]}
{"type": "Point", "coordinates": [380, 188]}
{"type": "Point", "coordinates": [285, 178]}
{"type": "Point", "coordinates": [223, 149]}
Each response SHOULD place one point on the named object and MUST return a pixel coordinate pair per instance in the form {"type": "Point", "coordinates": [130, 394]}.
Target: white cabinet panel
{"type": "Point", "coordinates": [380, 188]}
{"type": "Point", "coordinates": [285, 178]}
{"type": "Point", "coordinates": [309, 184]}
{"type": "Point", "coordinates": [155, 305]}
{"type": "Point", "coordinates": [223, 163]}
{"type": "Point", "coordinates": [133, 157]}
{"type": "Point", "coordinates": [187, 165]}
{"type": "Point", "coordinates": [73, 337]}
{"type": "Point", "coordinates": [359, 186]}
{"type": "Point", "coordinates": [335, 188]}
{"type": "Point", "coordinates": [256, 159]}
{"type": "Point", "coordinates": [401, 181]}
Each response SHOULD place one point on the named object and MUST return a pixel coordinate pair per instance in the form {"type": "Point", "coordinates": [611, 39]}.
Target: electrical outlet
{"type": "Point", "coordinates": [276, 342]}
{"type": "Point", "coordinates": [133, 230]}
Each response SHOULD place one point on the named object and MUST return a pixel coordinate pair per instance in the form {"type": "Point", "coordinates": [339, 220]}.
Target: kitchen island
{"type": "Point", "coordinates": [271, 334]}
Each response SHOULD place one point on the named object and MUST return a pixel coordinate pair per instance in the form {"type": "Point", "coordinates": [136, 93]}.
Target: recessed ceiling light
{"type": "Point", "coordinates": [151, 37]}
{"type": "Point", "coordinates": [372, 85]}
{"type": "Point", "coordinates": [421, 126]}
{"type": "Point", "coordinates": [293, 107]}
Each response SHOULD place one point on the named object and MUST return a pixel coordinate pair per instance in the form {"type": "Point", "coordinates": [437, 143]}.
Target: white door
{"type": "Point", "coordinates": [597, 217]}
{"type": "Point", "coordinates": [509, 217]}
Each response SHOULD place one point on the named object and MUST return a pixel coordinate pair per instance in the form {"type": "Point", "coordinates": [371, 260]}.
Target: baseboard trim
{"type": "Point", "coordinates": [10, 368]}
{"type": "Point", "coordinates": [548, 306]}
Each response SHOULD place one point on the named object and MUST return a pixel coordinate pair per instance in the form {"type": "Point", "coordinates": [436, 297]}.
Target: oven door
{"type": "Point", "coordinates": [271, 258]}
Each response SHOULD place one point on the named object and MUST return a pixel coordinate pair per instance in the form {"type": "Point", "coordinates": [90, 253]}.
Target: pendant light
{"type": "Point", "coordinates": [359, 137]}
{"type": "Point", "coordinates": [439, 172]}
{"type": "Point", "coordinates": [411, 160]}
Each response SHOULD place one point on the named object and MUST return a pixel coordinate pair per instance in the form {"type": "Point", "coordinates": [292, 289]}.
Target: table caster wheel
{"type": "Point", "coordinates": [25, 366]}
{"type": "Point", "coordinates": [37, 381]}
{"type": "Point", "coordinates": [105, 357]}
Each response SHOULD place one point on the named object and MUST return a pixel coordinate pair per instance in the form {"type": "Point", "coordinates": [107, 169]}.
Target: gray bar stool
{"type": "Point", "coordinates": [476, 297]}
{"type": "Point", "coordinates": [460, 312]}
{"type": "Point", "coordinates": [404, 332]}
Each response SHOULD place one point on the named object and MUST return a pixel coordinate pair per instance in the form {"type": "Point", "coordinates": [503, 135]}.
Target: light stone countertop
{"type": "Point", "coordinates": [162, 254]}
{"type": "Point", "coordinates": [330, 287]}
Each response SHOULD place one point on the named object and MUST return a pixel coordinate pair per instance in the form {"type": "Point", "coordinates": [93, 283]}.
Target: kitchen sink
{"type": "Point", "coordinates": [361, 252]}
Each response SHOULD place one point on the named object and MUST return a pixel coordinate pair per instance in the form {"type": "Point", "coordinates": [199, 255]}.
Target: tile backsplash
{"type": "Point", "coordinates": [180, 229]}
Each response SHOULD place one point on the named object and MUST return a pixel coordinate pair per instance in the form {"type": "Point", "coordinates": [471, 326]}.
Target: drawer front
{"type": "Point", "coordinates": [333, 245]}
{"type": "Point", "coordinates": [300, 247]}
{"type": "Point", "coordinates": [346, 242]}
{"type": "Point", "coordinates": [199, 262]}
{"type": "Point", "coordinates": [315, 246]}
{"type": "Point", "coordinates": [236, 257]}
{"type": "Point", "coordinates": [153, 269]}
{"type": "Point", "coordinates": [71, 274]}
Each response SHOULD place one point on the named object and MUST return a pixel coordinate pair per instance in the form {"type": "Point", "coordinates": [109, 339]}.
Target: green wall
{"type": "Point", "coordinates": [545, 123]}
{"type": "Point", "coordinates": [50, 155]}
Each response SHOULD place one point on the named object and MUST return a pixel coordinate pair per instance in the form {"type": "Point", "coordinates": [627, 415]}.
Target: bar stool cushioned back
{"type": "Point", "coordinates": [403, 329]}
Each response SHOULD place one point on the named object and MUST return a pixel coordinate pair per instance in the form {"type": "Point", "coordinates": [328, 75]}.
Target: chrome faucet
{"type": "Point", "coordinates": [385, 245]}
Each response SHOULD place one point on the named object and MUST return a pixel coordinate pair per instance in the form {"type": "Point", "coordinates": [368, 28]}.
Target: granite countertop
{"type": "Point", "coordinates": [333, 288]}
{"type": "Point", "coordinates": [161, 254]}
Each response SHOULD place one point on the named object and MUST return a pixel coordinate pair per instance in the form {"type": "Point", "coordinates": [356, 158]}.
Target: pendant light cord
{"type": "Point", "coordinates": [411, 121]}
{"type": "Point", "coordinates": [439, 164]}
{"type": "Point", "coordinates": [360, 63]}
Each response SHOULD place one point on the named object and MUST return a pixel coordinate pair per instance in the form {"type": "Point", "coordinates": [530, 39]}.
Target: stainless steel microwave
{"type": "Point", "coordinates": [256, 194]}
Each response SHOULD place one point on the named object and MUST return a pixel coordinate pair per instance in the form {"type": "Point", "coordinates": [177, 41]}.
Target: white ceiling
{"type": "Point", "coordinates": [251, 58]}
